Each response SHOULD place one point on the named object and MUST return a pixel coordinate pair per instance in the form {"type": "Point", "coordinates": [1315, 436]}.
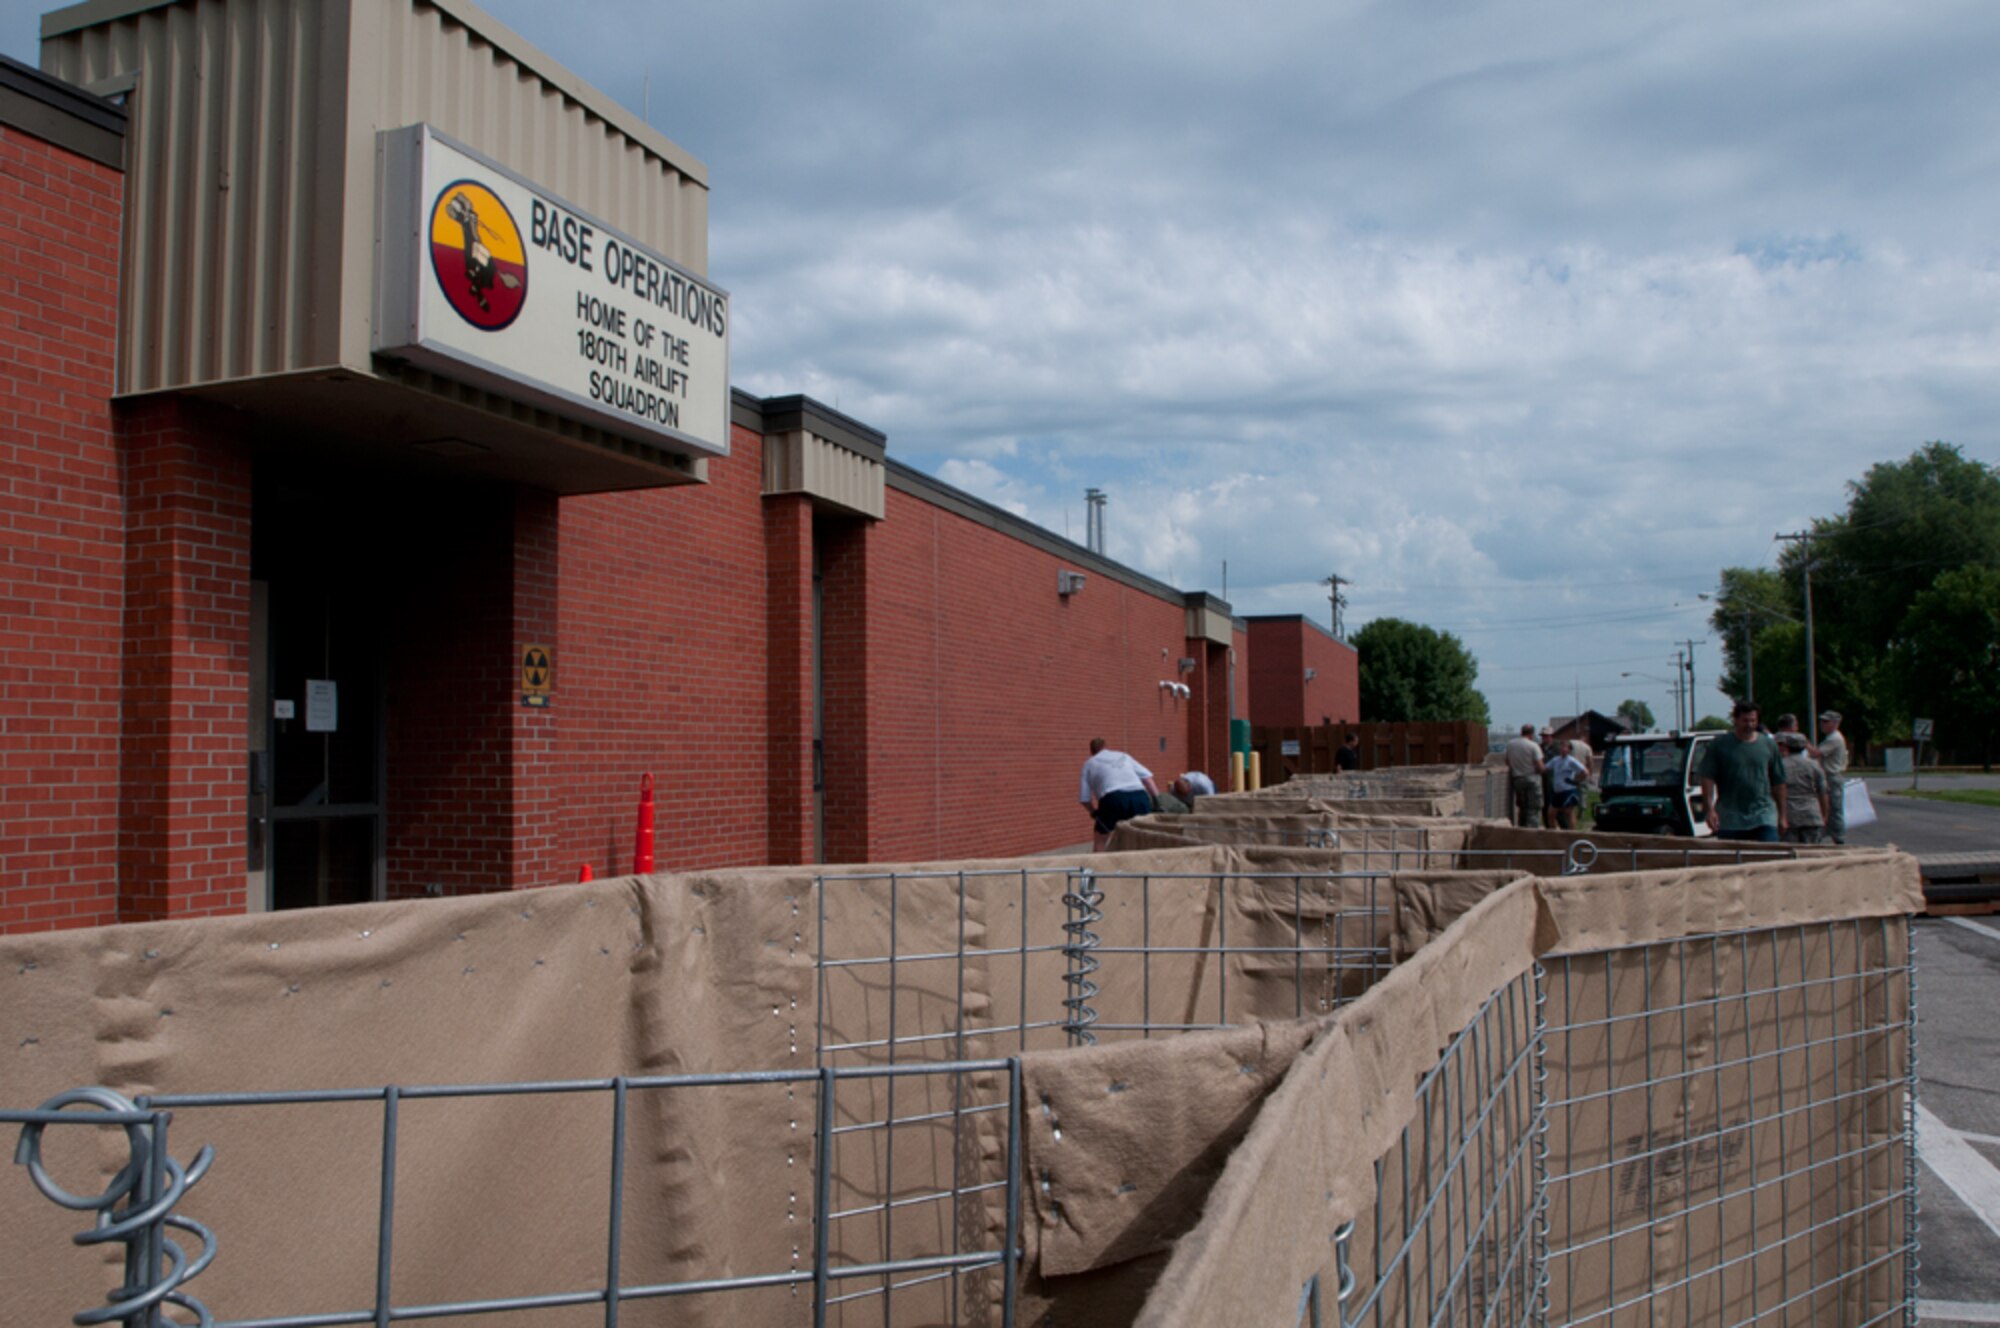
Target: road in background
{"type": "Point", "coordinates": [1958, 1047]}
{"type": "Point", "coordinates": [1921, 826]}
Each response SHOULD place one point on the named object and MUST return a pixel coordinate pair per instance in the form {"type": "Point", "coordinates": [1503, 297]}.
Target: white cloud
{"type": "Point", "coordinates": [1507, 312]}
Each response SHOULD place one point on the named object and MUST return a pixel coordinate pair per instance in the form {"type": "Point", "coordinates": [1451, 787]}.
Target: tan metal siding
{"type": "Point", "coordinates": [232, 218]}
{"type": "Point", "coordinates": [1207, 623]}
{"type": "Point", "coordinates": [431, 67]}
{"type": "Point", "coordinates": [799, 462]}
{"type": "Point", "coordinates": [249, 245]}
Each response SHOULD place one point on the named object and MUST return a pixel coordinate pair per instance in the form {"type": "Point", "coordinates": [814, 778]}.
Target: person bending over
{"type": "Point", "coordinates": [1115, 788]}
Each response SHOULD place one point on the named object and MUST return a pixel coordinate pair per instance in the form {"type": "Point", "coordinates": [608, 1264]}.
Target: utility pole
{"type": "Point", "coordinates": [1339, 601]}
{"type": "Point", "coordinates": [1690, 680]}
{"type": "Point", "coordinates": [1806, 538]}
{"type": "Point", "coordinates": [1750, 662]}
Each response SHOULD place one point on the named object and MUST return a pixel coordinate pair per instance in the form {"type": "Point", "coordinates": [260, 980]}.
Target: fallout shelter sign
{"type": "Point", "coordinates": [489, 278]}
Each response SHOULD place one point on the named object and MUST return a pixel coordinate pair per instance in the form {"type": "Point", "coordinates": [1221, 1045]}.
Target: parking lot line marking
{"type": "Point", "coordinates": [1963, 1169]}
{"type": "Point", "coordinates": [1959, 1311]}
{"type": "Point", "coordinates": [1991, 933]}
{"type": "Point", "coordinates": [1979, 1138]}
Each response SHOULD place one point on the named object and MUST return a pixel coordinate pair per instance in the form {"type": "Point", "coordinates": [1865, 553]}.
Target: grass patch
{"type": "Point", "coordinates": [1970, 797]}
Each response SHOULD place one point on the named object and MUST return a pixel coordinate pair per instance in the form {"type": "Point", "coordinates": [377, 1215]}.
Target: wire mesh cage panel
{"type": "Point", "coordinates": [1580, 856]}
{"type": "Point", "coordinates": [918, 966]}
{"type": "Point", "coordinates": [622, 1266]}
{"type": "Point", "coordinates": [1521, 1119]}
{"type": "Point", "coordinates": [1730, 1120]}
{"type": "Point", "coordinates": [1453, 1234]}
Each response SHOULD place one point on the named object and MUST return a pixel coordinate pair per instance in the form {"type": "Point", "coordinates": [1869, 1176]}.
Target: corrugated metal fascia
{"type": "Point", "coordinates": [560, 76]}
{"type": "Point", "coordinates": [233, 173]}
{"type": "Point", "coordinates": [418, 61]}
{"type": "Point", "coordinates": [843, 477]}
{"type": "Point", "coordinates": [799, 461]}
{"type": "Point", "coordinates": [74, 18]}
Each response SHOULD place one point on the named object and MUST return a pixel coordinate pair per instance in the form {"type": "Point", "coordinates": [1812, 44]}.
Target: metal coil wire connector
{"type": "Point", "coordinates": [1538, 1089]}
{"type": "Point", "coordinates": [1582, 855]}
{"type": "Point", "coordinates": [1342, 1235]}
{"type": "Point", "coordinates": [1085, 902]}
{"type": "Point", "coordinates": [135, 1209]}
{"type": "Point", "coordinates": [1913, 1261]}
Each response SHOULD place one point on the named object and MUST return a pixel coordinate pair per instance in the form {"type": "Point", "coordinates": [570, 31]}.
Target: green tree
{"type": "Point", "coordinates": [1747, 601]}
{"type": "Point", "coordinates": [1638, 714]}
{"type": "Point", "coordinates": [1413, 673]}
{"type": "Point", "coordinates": [1947, 656]}
{"type": "Point", "coordinates": [1906, 521]}
{"type": "Point", "coordinates": [1712, 724]}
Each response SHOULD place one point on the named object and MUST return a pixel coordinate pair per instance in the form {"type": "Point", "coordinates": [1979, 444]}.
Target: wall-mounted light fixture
{"type": "Point", "coordinates": [1187, 663]}
{"type": "Point", "coordinates": [1068, 583]}
{"type": "Point", "coordinates": [1311, 674]}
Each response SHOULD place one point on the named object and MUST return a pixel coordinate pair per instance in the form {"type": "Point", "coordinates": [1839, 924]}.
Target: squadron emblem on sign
{"type": "Point", "coordinates": [477, 254]}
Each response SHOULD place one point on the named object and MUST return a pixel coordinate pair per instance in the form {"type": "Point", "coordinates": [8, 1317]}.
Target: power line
{"type": "Point", "coordinates": [1620, 617]}
{"type": "Point", "coordinates": [1546, 586]}
{"type": "Point", "coordinates": [1569, 664]}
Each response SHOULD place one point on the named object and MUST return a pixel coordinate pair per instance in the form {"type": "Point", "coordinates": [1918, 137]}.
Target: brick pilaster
{"type": "Point", "coordinates": [788, 545]}
{"type": "Point", "coordinates": [186, 662]}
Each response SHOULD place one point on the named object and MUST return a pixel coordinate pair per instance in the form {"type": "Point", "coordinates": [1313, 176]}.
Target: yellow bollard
{"type": "Point", "coordinates": [1256, 772]}
{"type": "Point", "coordinates": [1236, 784]}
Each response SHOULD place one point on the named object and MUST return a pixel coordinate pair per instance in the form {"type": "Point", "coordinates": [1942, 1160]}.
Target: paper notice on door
{"type": "Point", "coordinates": [322, 705]}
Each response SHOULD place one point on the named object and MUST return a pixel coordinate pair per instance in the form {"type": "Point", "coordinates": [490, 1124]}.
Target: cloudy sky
{"type": "Point", "coordinates": [1526, 318]}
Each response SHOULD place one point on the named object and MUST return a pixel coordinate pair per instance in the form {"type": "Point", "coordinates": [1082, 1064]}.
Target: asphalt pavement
{"type": "Point", "coordinates": [1958, 1047]}
{"type": "Point", "coordinates": [1920, 826]}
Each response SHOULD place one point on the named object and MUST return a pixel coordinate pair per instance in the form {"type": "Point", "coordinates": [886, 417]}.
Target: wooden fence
{"type": "Point", "coordinates": [1288, 751]}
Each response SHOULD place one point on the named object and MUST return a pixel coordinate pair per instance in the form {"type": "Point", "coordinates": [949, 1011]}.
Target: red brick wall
{"type": "Point", "coordinates": [61, 540]}
{"type": "Point", "coordinates": [1335, 690]}
{"type": "Point", "coordinates": [475, 790]}
{"type": "Point", "coordinates": [1277, 673]}
{"type": "Point", "coordinates": [788, 553]}
{"type": "Point", "coordinates": [538, 792]}
{"type": "Point", "coordinates": [849, 553]}
{"type": "Point", "coordinates": [1208, 710]}
{"type": "Point", "coordinates": [985, 687]}
{"type": "Point", "coordinates": [660, 666]}
{"type": "Point", "coordinates": [186, 674]}
{"type": "Point", "coordinates": [1281, 650]}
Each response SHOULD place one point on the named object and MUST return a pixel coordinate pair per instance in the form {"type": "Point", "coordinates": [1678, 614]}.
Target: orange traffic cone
{"type": "Point", "coordinates": [642, 844]}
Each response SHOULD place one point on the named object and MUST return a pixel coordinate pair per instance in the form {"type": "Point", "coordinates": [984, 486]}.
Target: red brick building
{"type": "Point", "coordinates": [299, 613]}
{"type": "Point", "coordinates": [1300, 673]}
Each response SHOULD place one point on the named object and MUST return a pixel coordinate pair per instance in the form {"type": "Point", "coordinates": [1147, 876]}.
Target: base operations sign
{"type": "Point", "coordinates": [489, 278]}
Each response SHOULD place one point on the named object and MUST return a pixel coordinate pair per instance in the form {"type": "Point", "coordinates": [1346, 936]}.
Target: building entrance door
{"type": "Point", "coordinates": [317, 781]}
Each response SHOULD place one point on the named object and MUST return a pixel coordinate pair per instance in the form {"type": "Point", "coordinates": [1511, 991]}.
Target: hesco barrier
{"type": "Point", "coordinates": [1198, 1086]}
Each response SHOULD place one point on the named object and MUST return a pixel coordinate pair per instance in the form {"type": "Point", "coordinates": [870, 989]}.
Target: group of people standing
{"type": "Point", "coordinates": [1775, 786]}
{"type": "Point", "coordinates": [1548, 778]}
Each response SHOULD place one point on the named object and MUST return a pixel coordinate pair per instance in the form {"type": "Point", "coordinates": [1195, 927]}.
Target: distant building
{"type": "Point", "coordinates": [1300, 674]}
{"type": "Point", "coordinates": [1591, 726]}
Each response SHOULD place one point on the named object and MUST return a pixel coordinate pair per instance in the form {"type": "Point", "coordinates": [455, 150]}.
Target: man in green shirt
{"type": "Point", "coordinates": [1743, 781]}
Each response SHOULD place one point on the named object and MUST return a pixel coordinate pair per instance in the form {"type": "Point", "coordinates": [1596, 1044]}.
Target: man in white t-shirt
{"type": "Point", "coordinates": [1115, 788]}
